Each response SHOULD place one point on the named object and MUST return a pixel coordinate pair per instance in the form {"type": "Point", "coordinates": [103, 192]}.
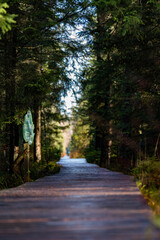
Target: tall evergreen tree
{"type": "Point", "coordinates": [119, 86]}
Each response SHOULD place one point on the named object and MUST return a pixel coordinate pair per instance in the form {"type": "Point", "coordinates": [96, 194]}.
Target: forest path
{"type": "Point", "coordinates": [82, 202]}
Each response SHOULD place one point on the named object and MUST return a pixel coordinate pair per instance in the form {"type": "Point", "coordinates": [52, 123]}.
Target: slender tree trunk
{"type": "Point", "coordinates": [110, 143]}
{"type": "Point", "coordinates": [45, 137]}
{"type": "Point", "coordinates": [100, 41]}
{"type": "Point", "coordinates": [10, 62]}
{"type": "Point", "coordinates": [110, 130]}
{"type": "Point", "coordinates": [104, 151]}
{"type": "Point", "coordinates": [102, 131]}
{"type": "Point", "coordinates": [10, 86]}
{"type": "Point", "coordinates": [98, 138]}
{"type": "Point", "coordinates": [156, 146]}
{"type": "Point", "coordinates": [37, 139]}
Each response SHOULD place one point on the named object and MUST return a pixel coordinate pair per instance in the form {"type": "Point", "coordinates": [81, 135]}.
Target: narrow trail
{"type": "Point", "coordinates": [82, 202]}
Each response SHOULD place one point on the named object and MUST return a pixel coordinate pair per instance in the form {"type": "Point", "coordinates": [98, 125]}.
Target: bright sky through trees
{"type": "Point", "coordinates": [69, 101]}
{"type": "Point", "coordinates": [75, 67]}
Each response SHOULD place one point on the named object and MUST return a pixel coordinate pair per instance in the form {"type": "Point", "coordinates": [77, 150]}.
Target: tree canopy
{"type": "Point", "coordinates": [109, 50]}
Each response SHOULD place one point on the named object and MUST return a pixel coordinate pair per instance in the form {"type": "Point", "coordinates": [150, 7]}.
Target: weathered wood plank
{"type": "Point", "coordinates": [83, 201]}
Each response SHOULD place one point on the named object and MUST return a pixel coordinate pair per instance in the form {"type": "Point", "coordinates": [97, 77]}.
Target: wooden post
{"type": "Point", "coordinates": [26, 163]}
{"type": "Point", "coordinates": [37, 139]}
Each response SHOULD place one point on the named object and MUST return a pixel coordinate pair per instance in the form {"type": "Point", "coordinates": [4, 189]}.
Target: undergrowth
{"type": "Point", "coordinates": [37, 170]}
{"type": "Point", "coordinates": [8, 180]}
{"type": "Point", "coordinates": [147, 174]}
{"type": "Point", "coordinates": [92, 156]}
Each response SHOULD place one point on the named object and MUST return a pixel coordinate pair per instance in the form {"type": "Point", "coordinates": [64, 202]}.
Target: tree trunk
{"type": "Point", "coordinates": [37, 139]}
{"type": "Point", "coordinates": [110, 143]}
{"type": "Point", "coordinates": [45, 137]}
{"type": "Point", "coordinates": [10, 86]}
{"type": "Point", "coordinates": [104, 151]}
{"type": "Point", "coordinates": [102, 131]}
{"type": "Point", "coordinates": [100, 41]}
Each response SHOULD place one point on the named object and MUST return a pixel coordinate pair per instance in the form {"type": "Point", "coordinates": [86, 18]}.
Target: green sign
{"type": "Point", "coordinates": [28, 128]}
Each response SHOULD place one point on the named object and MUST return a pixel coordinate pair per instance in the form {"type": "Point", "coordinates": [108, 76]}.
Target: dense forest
{"type": "Point", "coordinates": [120, 86]}
{"type": "Point", "coordinates": [115, 43]}
{"type": "Point", "coordinates": [35, 51]}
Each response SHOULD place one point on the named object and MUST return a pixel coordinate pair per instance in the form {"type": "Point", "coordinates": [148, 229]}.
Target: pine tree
{"type": "Point", "coordinates": [119, 86]}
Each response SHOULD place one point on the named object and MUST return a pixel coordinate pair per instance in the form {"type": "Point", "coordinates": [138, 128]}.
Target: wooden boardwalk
{"type": "Point", "coordinates": [82, 202]}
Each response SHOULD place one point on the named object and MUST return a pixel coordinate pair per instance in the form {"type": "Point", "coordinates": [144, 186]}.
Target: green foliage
{"type": "Point", "coordinates": [132, 22]}
{"type": "Point", "coordinates": [120, 85]}
{"type": "Point", "coordinates": [148, 172]}
{"type": "Point", "coordinates": [92, 156]}
{"type": "Point", "coordinates": [33, 73]}
{"type": "Point", "coordinates": [51, 152]}
{"type": "Point", "coordinates": [39, 170]}
{"type": "Point", "coordinates": [80, 139]}
{"type": "Point", "coordinates": [51, 133]}
{"type": "Point", "coordinates": [156, 221]}
{"type": "Point", "coordinates": [9, 180]}
{"type": "Point", "coordinates": [56, 154]}
{"type": "Point", "coordinates": [5, 19]}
